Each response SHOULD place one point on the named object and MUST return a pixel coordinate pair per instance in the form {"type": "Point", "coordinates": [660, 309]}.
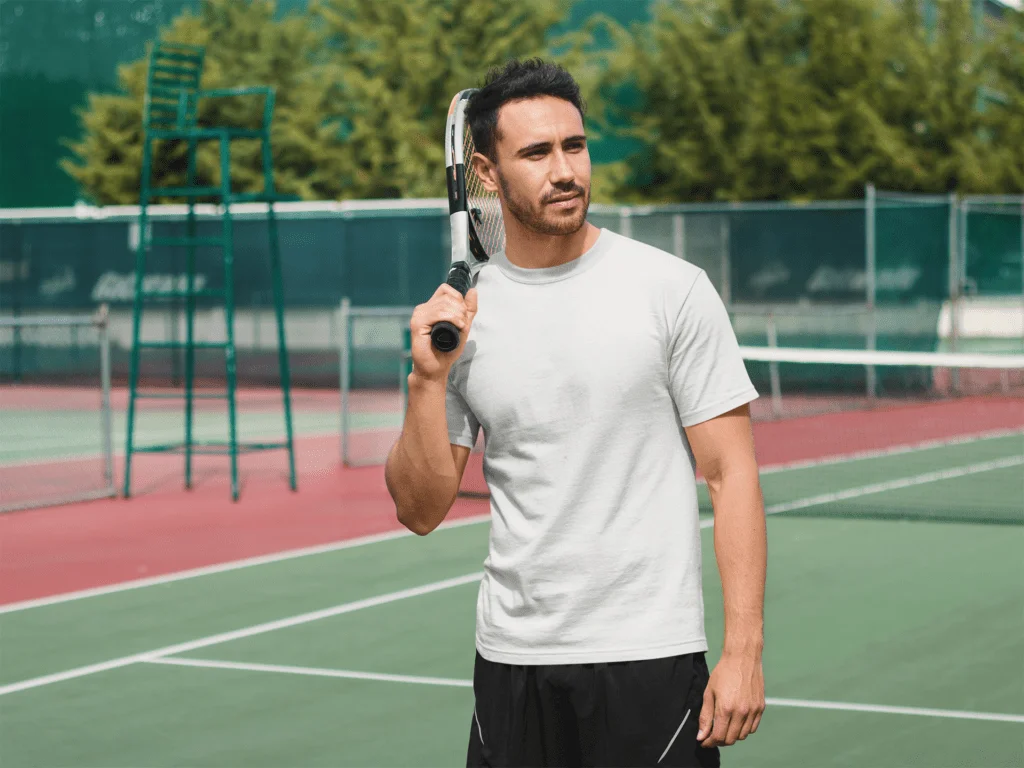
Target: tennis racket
{"type": "Point", "coordinates": [478, 230]}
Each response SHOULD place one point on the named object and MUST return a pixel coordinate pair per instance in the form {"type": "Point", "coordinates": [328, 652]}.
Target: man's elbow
{"type": "Point", "coordinates": [416, 523]}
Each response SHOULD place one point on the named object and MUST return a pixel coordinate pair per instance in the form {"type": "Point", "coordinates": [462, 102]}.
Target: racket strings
{"type": "Point", "coordinates": [484, 205]}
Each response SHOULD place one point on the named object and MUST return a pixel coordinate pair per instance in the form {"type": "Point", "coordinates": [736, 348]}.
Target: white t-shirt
{"type": "Point", "coordinates": [583, 377]}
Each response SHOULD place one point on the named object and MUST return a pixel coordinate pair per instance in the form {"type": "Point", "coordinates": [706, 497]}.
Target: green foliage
{"type": "Point", "coordinates": [245, 45]}
{"type": "Point", "coordinates": [726, 99]}
{"type": "Point", "coordinates": [760, 99]}
{"type": "Point", "coordinates": [397, 64]}
{"type": "Point", "coordinates": [1003, 102]}
{"type": "Point", "coordinates": [362, 92]}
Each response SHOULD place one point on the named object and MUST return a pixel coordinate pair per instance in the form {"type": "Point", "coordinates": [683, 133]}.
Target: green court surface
{"type": "Point", "coordinates": [894, 637]}
{"type": "Point", "coordinates": [47, 434]}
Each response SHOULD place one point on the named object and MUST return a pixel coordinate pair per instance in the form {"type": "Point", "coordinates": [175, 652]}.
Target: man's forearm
{"type": "Point", "coordinates": [741, 549]}
{"type": "Point", "coordinates": [420, 473]}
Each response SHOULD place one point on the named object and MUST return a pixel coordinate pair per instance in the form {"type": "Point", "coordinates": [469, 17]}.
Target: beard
{"type": "Point", "coordinates": [540, 218]}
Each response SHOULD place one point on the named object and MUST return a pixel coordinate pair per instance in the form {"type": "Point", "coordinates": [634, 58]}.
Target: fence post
{"type": "Point", "coordinates": [725, 261]}
{"type": "Point", "coordinates": [679, 236]}
{"type": "Point", "coordinates": [625, 221]}
{"type": "Point", "coordinates": [106, 418]}
{"type": "Point", "coordinates": [773, 367]}
{"type": "Point", "coordinates": [346, 342]}
{"type": "Point", "coordinates": [957, 263]}
{"type": "Point", "coordinates": [871, 286]}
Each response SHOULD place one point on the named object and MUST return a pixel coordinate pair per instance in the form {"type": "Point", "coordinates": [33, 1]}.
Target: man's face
{"type": "Point", "coordinates": [542, 172]}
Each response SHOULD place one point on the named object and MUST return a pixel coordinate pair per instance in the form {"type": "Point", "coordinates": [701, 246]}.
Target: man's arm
{"type": "Point", "coordinates": [724, 450]}
{"type": "Point", "coordinates": [424, 470]}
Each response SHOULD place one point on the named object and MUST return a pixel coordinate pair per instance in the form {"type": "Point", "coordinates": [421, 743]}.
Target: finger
{"type": "Point", "coordinates": [471, 301]}
{"type": "Point", "coordinates": [720, 729]}
{"type": "Point", "coordinates": [757, 722]}
{"type": "Point", "coordinates": [707, 714]}
{"type": "Point", "coordinates": [446, 290]}
{"type": "Point", "coordinates": [443, 309]}
{"type": "Point", "coordinates": [747, 726]}
{"type": "Point", "coordinates": [737, 723]}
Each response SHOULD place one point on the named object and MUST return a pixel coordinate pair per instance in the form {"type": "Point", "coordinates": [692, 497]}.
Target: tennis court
{"type": "Point", "coordinates": [894, 636]}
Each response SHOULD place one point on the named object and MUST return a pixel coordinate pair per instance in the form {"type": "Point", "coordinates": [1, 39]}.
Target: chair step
{"type": "Point", "coordinates": [217, 242]}
{"type": "Point", "coordinates": [182, 345]}
{"type": "Point", "coordinates": [172, 295]}
{"type": "Point", "coordinates": [183, 192]}
{"type": "Point", "coordinates": [180, 395]}
{"type": "Point", "coordinates": [209, 448]}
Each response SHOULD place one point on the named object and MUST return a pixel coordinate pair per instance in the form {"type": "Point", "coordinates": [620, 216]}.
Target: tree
{"type": "Point", "coordinates": [763, 99]}
{"type": "Point", "coordinates": [363, 90]}
{"type": "Point", "coordinates": [396, 64]}
{"type": "Point", "coordinates": [1002, 67]}
{"type": "Point", "coordinates": [245, 45]}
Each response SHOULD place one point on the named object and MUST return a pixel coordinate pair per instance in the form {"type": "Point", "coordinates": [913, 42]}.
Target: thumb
{"type": "Point", "coordinates": [471, 301]}
{"type": "Point", "coordinates": [707, 714]}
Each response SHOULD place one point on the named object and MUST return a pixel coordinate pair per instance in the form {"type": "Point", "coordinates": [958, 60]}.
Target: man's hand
{"type": "Point", "coordinates": [446, 304]}
{"type": "Point", "coordinates": [733, 700]}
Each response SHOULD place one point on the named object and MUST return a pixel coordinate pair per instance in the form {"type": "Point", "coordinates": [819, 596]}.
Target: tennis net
{"type": "Point", "coordinates": [857, 433]}
{"type": "Point", "coordinates": [890, 435]}
{"type": "Point", "coordinates": [55, 410]}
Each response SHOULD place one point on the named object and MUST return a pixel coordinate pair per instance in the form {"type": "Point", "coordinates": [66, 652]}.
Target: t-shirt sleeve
{"type": "Point", "coordinates": [707, 374]}
{"type": "Point", "coordinates": [463, 426]}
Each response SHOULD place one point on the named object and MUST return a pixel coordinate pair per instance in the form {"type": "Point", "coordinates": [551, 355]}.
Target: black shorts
{"type": "Point", "coordinates": [633, 713]}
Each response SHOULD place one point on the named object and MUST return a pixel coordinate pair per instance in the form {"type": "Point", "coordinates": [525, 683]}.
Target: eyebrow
{"type": "Point", "coordinates": [547, 144]}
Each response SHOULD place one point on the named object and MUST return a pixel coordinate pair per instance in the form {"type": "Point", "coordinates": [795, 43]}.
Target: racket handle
{"type": "Point", "coordinates": [445, 335]}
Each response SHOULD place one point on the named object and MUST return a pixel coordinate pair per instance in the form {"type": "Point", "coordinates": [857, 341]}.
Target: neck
{"type": "Point", "coordinates": [531, 250]}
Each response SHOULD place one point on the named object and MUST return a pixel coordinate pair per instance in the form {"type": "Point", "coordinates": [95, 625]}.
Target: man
{"type": "Point", "coordinates": [601, 371]}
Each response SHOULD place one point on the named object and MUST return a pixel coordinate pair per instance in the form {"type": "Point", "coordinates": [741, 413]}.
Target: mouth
{"type": "Point", "coordinates": [563, 200]}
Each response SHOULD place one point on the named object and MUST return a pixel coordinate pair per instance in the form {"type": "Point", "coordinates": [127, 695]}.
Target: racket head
{"type": "Point", "coordinates": [478, 228]}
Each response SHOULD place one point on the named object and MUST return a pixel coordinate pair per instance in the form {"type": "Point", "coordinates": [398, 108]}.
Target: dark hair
{"type": "Point", "coordinates": [512, 82]}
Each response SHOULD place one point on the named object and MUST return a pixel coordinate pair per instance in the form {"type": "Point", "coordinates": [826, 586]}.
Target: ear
{"type": "Point", "coordinates": [485, 170]}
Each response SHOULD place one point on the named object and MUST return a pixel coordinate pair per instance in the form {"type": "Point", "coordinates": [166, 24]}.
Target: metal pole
{"type": "Point", "coordinates": [625, 222]}
{"type": "Point", "coordinates": [773, 367]}
{"type": "Point", "coordinates": [106, 419]}
{"type": "Point", "coordinates": [725, 261]}
{"type": "Point", "coordinates": [870, 267]}
{"type": "Point", "coordinates": [678, 236]}
{"type": "Point", "coordinates": [405, 367]}
{"type": "Point", "coordinates": [954, 277]}
{"type": "Point", "coordinates": [346, 341]}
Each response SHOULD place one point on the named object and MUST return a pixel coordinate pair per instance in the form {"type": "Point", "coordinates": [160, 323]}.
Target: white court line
{"type": "Point", "coordinates": [311, 671]}
{"type": "Point", "coordinates": [232, 565]}
{"type": "Point", "coordinates": [954, 714]}
{"type": "Point", "coordinates": [878, 453]}
{"type": "Point", "coordinates": [446, 681]}
{"type": "Point", "coordinates": [345, 608]}
{"type": "Point", "coordinates": [238, 634]}
{"type": "Point", "coordinates": [889, 485]}
{"type": "Point", "coordinates": [475, 519]}
{"type": "Point", "coordinates": [892, 485]}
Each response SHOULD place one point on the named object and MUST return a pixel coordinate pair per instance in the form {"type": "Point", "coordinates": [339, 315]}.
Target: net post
{"type": "Point", "coordinates": [679, 236]}
{"type": "Point", "coordinates": [345, 321]}
{"type": "Point", "coordinates": [773, 367]}
{"type": "Point", "coordinates": [626, 221]}
{"type": "Point", "coordinates": [106, 417]}
{"type": "Point", "coordinates": [958, 270]}
{"type": "Point", "coordinates": [405, 368]}
{"type": "Point", "coordinates": [725, 261]}
{"type": "Point", "coordinates": [870, 267]}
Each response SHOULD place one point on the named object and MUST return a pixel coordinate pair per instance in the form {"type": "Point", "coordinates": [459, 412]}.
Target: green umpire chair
{"type": "Point", "coordinates": [173, 102]}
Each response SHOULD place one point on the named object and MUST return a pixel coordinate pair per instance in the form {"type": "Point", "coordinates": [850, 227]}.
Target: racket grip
{"type": "Point", "coordinates": [445, 335]}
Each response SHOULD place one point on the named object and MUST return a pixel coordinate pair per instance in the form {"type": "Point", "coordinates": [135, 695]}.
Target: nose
{"type": "Point", "coordinates": [561, 171]}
